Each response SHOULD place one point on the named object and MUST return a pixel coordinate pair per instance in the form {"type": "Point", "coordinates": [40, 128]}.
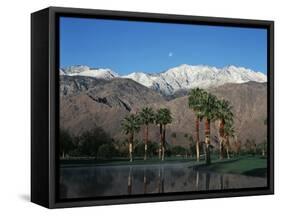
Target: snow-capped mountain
{"type": "Point", "coordinates": [189, 76]}
{"type": "Point", "coordinates": [82, 70]}
{"type": "Point", "coordinates": [177, 78]}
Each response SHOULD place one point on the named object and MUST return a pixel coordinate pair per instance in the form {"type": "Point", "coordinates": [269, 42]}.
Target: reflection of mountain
{"type": "Point", "coordinates": [88, 102]}
{"type": "Point", "coordinates": [178, 78]}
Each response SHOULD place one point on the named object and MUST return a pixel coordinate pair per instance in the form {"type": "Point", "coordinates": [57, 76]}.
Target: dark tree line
{"type": "Point", "coordinates": [96, 143]}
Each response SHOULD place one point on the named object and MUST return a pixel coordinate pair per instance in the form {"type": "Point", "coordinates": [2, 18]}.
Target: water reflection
{"type": "Point", "coordinates": [144, 181]}
{"type": "Point", "coordinates": [130, 182]}
{"type": "Point", "coordinates": [82, 182]}
{"type": "Point", "coordinates": [197, 180]}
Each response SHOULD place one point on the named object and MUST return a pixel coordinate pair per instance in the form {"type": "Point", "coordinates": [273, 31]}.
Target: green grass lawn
{"type": "Point", "coordinates": [252, 166]}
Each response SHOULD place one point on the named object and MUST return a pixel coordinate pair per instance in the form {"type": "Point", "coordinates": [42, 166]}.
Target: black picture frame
{"type": "Point", "coordinates": [45, 98]}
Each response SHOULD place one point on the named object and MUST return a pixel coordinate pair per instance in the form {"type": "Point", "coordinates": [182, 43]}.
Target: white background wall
{"type": "Point", "coordinates": [15, 106]}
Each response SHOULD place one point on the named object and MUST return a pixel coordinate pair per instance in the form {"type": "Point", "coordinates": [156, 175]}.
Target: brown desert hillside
{"type": "Point", "coordinates": [87, 103]}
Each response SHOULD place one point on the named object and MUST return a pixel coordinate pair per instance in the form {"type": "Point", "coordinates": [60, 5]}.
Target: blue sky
{"type": "Point", "coordinates": [129, 46]}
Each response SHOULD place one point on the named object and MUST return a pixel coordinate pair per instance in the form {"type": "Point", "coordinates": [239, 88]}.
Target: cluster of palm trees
{"type": "Point", "coordinates": [132, 123]}
{"type": "Point", "coordinates": [208, 107]}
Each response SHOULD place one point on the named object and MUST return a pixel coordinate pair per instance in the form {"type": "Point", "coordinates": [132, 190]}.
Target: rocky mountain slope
{"type": "Point", "coordinates": [88, 102]}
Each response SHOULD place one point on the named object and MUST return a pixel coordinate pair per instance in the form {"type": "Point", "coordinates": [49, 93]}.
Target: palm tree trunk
{"type": "Point", "coordinates": [160, 144]}
{"type": "Point", "coordinates": [221, 133]}
{"type": "Point", "coordinates": [237, 146]}
{"type": "Point", "coordinates": [145, 142]}
{"type": "Point", "coordinates": [197, 139]}
{"type": "Point", "coordinates": [207, 141]}
{"type": "Point", "coordinates": [163, 142]}
{"type": "Point", "coordinates": [131, 140]}
{"type": "Point", "coordinates": [227, 152]}
{"type": "Point", "coordinates": [227, 147]}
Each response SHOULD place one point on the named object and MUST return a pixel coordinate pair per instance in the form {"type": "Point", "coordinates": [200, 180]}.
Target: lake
{"type": "Point", "coordinates": [96, 181]}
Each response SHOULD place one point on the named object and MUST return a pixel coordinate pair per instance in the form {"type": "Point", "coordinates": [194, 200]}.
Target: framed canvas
{"type": "Point", "coordinates": [138, 107]}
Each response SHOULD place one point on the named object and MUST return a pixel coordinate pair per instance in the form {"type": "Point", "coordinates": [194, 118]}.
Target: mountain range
{"type": "Point", "coordinates": [183, 77]}
{"type": "Point", "coordinates": [89, 102]}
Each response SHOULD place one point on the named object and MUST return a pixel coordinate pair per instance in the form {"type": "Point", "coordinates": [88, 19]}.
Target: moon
{"type": "Point", "coordinates": [170, 54]}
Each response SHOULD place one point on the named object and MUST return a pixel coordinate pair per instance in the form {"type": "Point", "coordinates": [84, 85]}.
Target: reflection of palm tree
{"type": "Point", "coordinates": [163, 180]}
{"type": "Point", "coordinates": [131, 125]}
{"type": "Point", "coordinates": [226, 181]}
{"type": "Point", "coordinates": [163, 117]}
{"type": "Point", "coordinates": [159, 179]}
{"type": "Point", "coordinates": [195, 103]}
{"type": "Point", "coordinates": [161, 188]}
{"type": "Point", "coordinates": [221, 181]}
{"type": "Point", "coordinates": [147, 117]}
{"type": "Point", "coordinates": [197, 180]}
{"type": "Point", "coordinates": [209, 104]}
{"type": "Point", "coordinates": [207, 182]}
{"type": "Point", "coordinates": [223, 114]}
{"type": "Point", "coordinates": [130, 181]}
{"type": "Point", "coordinates": [144, 181]}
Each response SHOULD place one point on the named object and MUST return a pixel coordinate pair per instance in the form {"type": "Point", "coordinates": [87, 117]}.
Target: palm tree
{"type": "Point", "coordinates": [159, 121]}
{"type": "Point", "coordinates": [147, 116]}
{"type": "Point", "coordinates": [228, 132]}
{"type": "Point", "coordinates": [190, 143]}
{"type": "Point", "coordinates": [163, 117]}
{"type": "Point", "coordinates": [131, 125]}
{"type": "Point", "coordinates": [166, 120]}
{"type": "Point", "coordinates": [195, 103]}
{"type": "Point", "coordinates": [223, 114]}
{"type": "Point", "coordinates": [209, 110]}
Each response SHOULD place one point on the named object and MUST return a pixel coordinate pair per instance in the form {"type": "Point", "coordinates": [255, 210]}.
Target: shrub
{"type": "Point", "coordinates": [90, 141]}
{"type": "Point", "coordinates": [106, 151]}
{"type": "Point", "coordinates": [178, 150]}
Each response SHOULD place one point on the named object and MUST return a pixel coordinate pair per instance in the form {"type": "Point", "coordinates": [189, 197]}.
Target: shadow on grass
{"type": "Point", "coordinates": [259, 172]}
{"type": "Point", "coordinates": [213, 165]}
